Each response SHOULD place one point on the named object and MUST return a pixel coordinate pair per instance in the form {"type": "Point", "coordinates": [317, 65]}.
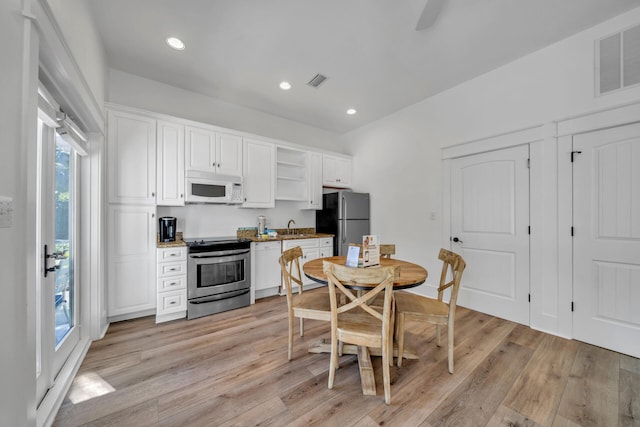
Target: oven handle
{"type": "Point", "coordinates": [225, 295]}
{"type": "Point", "coordinates": [222, 254]}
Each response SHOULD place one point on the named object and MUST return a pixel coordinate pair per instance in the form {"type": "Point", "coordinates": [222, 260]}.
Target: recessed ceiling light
{"type": "Point", "coordinates": [285, 85]}
{"type": "Point", "coordinates": [351, 111]}
{"type": "Point", "coordinates": [175, 43]}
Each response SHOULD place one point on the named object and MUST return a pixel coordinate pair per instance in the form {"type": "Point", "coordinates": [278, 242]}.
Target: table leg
{"type": "Point", "coordinates": [366, 372]}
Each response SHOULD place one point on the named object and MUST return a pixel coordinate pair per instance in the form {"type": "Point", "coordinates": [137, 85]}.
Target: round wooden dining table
{"type": "Point", "coordinates": [408, 275]}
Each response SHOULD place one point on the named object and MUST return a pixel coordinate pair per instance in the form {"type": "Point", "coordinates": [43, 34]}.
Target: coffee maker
{"type": "Point", "coordinates": [167, 229]}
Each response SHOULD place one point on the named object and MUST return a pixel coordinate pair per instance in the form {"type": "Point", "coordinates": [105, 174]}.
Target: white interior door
{"type": "Point", "coordinates": [606, 243]}
{"type": "Point", "coordinates": [490, 229]}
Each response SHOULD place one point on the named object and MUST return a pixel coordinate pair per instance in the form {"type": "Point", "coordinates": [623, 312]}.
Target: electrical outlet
{"type": "Point", "coordinates": [6, 211]}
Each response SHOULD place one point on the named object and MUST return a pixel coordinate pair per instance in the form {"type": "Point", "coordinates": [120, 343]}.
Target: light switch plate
{"type": "Point", "coordinates": [6, 211]}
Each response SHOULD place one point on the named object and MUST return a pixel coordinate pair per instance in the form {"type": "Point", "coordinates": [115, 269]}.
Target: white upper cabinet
{"type": "Point", "coordinates": [170, 180]}
{"type": "Point", "coordinates": [214, 152]}
{"type": "Point", "coordinates": [229, 154]}
{"type": "Point", "coordinates": [259, 174]}
{"type": "Point", "coordinates": [131, 158]}
{"type": "Point", "coordinates": [336, 171]}
{"type": "Point", "coordinates": [314, 181]}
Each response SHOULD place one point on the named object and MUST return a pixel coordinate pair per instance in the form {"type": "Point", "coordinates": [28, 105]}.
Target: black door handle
{"type": "Point", "coordinates": [456, 240]}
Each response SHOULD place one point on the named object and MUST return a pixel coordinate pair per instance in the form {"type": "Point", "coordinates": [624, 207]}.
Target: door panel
{"type": "Point", "coordinates": [606, 245]}
{"type": "Point", "coordinates": [489, 228]}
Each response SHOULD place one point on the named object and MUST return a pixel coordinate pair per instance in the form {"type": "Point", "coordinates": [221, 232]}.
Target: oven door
{"type": "Point", "coordinates": [215, 273]}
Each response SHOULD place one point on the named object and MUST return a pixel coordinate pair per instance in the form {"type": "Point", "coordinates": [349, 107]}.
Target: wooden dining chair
{"type": "Point", "coordinates": [304, 305]}
{"type": "Point", "coordinates": [356, 322]}
{"type": "Point", "coordinates": [418, 308]}
{"type": "Point", "coordinates": [386, 250]}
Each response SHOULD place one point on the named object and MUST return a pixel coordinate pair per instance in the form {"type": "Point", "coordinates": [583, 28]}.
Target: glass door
{"type": "Point", "coordinates": [56, 297]}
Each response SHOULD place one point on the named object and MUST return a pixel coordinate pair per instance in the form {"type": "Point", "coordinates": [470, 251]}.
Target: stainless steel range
{"type": "Point", "coordinates": [218, 275]}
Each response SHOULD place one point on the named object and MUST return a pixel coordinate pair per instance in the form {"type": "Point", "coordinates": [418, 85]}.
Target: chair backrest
{"type": "Point", "coordinates": [453, 262]}
{"type": "Point", "coordinates": [386, 250]}
{"type": "Point", "coordinates": [290, 266]}
{"type": "Point", "coordinates": [375, 280]}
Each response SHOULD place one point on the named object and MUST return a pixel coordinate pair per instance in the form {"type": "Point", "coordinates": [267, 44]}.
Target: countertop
{"type": "Point", "coordinates": [177, 243]}
{"type": "Point", "coordinates": [302, 233]}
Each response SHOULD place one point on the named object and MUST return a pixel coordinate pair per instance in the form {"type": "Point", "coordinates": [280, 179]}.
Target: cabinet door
{"type": "Point", "coordinates": [309, 254]}
{"type": "Point", "coordinates": [170, 165]}
{"type": "Point", "coordinates": [200, 150]}
{"type": "Point", "coordinates": [259, 174]}
{"type": "Point", "coordinates": [131, 285]}
{"type": "Point", "coordinates": [229, 154]}
{"type": "Point", "coordinates": [336, 171]}
{"type": "Point", "coordinates": [314, 181]}
{"type": "Point", "coordinates": [131, 158]}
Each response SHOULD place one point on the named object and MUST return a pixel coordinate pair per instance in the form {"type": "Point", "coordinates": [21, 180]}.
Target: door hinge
{"type": "Point", "coordinates": [572, 306]}
{"type": "Point", "coordinates": [529, 297]}
{"type": "Point", "coordinates": [529, 163]}
{"type": "Point", "coordinates": [529, 229]}
{"type": "Point", "coordinates": [572, 231]}
{"type": "Point", "coordinates": [573, 155]}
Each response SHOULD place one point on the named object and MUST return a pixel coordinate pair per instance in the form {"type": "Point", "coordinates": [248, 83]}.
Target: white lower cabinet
{"type": "Point", "coordinates": [311, 249]}
{"type": "Point", "coordinates": [171, 285]}
{"type": "Point", "coordinates": [266, 276]}
{"type": "Point", "coordinates": [131, 261]}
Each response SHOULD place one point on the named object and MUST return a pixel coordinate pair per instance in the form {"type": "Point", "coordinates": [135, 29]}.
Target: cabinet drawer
{"type": "Point", "coordinates": [166, 269]}
{"type": "Point", "coordinates": [326, 241]}
{"type": "Point", "coordinates": [303, 243]}
{"type": "Point", "coordinates": [172, 283]}
{"type": "Point", "coordinates": [172, 254]}
{"type": "Point", "coordinates": [170, 302]}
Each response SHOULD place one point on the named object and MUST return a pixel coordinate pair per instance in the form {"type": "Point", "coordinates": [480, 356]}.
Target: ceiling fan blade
{"type": "Point", "coordinates": [429, 14]}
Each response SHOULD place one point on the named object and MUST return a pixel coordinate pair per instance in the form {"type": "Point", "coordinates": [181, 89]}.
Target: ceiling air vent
{"type": "Point", "coordinates": [618, 61]}
{"type": "Point", "coordinates": [317, 80]}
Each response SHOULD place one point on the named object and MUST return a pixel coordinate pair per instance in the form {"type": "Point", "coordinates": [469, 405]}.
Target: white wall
{"type": "Point", "coordinates": [134, 91]}
{"type": "Point", "coordinates": [397, 159]}
{"type": "Point", "coordinates": [74, 19]}
{"type": "Point", "coordinates": [223, 220]}
{"type": "Point", "coordinates": [17, 357]}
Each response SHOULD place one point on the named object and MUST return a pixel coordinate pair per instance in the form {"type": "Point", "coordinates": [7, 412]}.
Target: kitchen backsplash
{"type": "Point", "coordinates": [223, 220]}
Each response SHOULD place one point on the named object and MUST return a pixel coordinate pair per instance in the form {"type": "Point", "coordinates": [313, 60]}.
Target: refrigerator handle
{"type": "Point", "coordinates": [344, 220]}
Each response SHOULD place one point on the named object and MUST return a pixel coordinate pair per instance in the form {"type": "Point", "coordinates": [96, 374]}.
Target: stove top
{"type": "Point", "coordinates": [216, 243]}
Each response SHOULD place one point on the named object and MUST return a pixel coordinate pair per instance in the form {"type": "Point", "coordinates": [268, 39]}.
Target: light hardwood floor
{"type": "Point", "coordinates": [232, 369]}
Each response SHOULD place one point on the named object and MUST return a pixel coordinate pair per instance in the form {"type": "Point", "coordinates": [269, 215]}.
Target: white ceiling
{"type": "Point", "coordinates": [375, 60]}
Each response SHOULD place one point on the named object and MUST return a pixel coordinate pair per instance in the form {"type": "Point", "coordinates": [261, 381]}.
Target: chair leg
{"type": "Point", "coordinates": [391, 329]}
{"type": "Point", "coordinates": [333, 360]}
{"type": "Point", "coordinates": [438, 335]}
{"type": "Point", "coordinates": [400, 337]}
{"type": "Point", "coordinates": [386, 373]}
{"type": "Point", "coordinates": [290, 348]}
{"type": "Point", "coordinates": [450, 345]}
{"type": "Point", "coordinates": [301, 327]}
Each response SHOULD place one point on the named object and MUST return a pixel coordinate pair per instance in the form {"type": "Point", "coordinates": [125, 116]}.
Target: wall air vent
{"type": "Point", "coordinates": [317, 80]}
{"type": "Point", "coordinates": [618, 61]}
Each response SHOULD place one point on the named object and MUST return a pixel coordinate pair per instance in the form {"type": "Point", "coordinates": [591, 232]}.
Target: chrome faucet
{"type": "Point", "coordinates": [289, 226]}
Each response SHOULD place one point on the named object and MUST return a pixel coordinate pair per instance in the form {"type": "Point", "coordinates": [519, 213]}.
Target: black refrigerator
{"type": "Point", "coordinates": [344, 214]}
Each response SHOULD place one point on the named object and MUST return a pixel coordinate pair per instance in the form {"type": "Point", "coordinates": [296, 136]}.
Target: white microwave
{"type": "Point", "coordinates": [206, 187]}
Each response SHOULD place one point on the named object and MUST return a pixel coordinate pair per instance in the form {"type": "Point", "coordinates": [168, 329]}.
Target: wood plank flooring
{"type": "Point", "coordinates": [231, 369]}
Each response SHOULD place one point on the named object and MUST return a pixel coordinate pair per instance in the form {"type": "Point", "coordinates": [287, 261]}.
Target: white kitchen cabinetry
{"type": "Point", "coordinates": [131, 290]}
{"type": "Point", "coordinates": [214, 152]}
{"type": "Point", "coordinates": [314, 181]}
{"type": "Point", "coordinates": [171, 285]}
{"type": "Point", "coordinates": [259, 174]}
{"type": "Point", "coordinates": [170, 164]}
{"type": "Point", "coordinates": [266, 277]}
{"type": "Point", "coordinates": [291, 174]}
{"type": "Point", "coordinates": [336, 171]}
{"type": "Point", "coordinates": [311, 249]}
{"type": "Point", "coordinates": [131, 158]}
{"type": "Point", "coordinates": [326, 247]}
